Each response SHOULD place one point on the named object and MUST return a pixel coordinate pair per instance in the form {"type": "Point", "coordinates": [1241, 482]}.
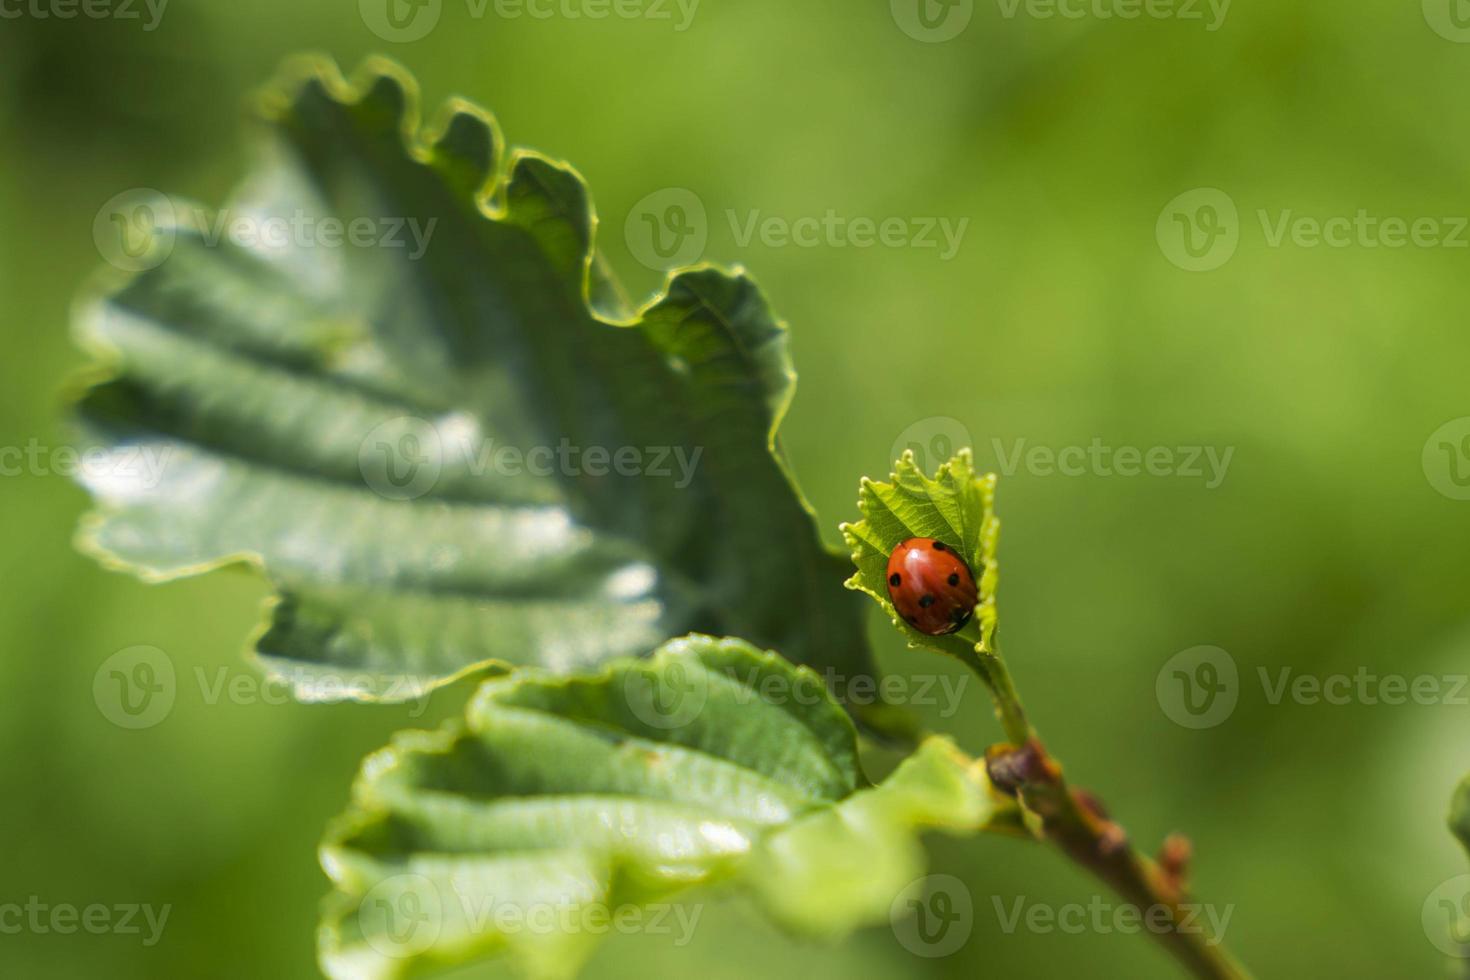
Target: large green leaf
{"type": "Point", "coordinates": [371, 426]}
{"type": "Point", "coordinates": [566, 800]}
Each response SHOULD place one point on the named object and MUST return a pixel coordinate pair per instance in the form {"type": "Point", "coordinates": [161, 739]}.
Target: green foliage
{"type": "Point", "coordinates": [1058, 320]}
{"type": "Point", "coordinates": [956, 506]}
{"type": "Point", "coordinates": [332, 414]}
{"type": "Point", "coordinates": [580, 797]}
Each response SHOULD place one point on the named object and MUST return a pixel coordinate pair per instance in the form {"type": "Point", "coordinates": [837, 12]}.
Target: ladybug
{"type": "Point", "coordinates": [931, 586]}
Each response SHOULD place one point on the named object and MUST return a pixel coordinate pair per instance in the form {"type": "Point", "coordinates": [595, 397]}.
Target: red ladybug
{"type": "Point", "coordinates": [931, 586]}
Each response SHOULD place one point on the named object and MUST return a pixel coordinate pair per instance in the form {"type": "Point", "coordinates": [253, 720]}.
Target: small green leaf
{"type": "Point", "coordinates": [378, 421]}
{"type": "Point", "coordinates": [578, 797]}
{"type": "Point", "coordinates": [956, 506]}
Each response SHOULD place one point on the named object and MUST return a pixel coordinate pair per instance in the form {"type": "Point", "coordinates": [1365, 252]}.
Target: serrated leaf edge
{"type": "Point", "coordinates": [418, 141]}
{"type": "Point", "coordinates": [985, 610]}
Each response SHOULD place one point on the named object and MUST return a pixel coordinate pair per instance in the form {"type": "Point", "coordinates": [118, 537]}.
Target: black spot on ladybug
{"type": "Point", "coordinates": [939, 546]}
{"type": "Point", "coordinates": [954, 579]}
{"type": "Point", "coordinates": [897, 579]}
{"type": "Point", "coordinates": [926, 601]}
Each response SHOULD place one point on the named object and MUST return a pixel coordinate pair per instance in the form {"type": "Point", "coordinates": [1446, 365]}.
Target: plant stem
{"type": "Point", "coordinates": [992, 670]}
{"type": "Point", "coordinates": [1077, 823]}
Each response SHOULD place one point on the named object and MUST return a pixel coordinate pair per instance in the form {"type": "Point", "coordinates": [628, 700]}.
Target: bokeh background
{"type": "Point", "coordinates": [1334, 545]}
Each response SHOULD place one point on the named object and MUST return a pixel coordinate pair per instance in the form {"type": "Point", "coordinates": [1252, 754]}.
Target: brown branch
{"type": "Point", "coordinates": [1077, 822]}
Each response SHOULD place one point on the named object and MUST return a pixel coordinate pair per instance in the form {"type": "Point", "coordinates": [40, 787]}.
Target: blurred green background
{"type": "Point", "coordinates": [1063, 318]}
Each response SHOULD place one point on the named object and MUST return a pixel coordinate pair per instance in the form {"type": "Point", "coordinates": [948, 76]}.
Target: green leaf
{"type": "Point", "coordinates": [348, 417]}
{"type": "Point", "coordinates": [574, 798]}
{"type": "Point", "coordinates": [956, 506]}
{"type": "Point", "coordinates": [1460, 813]}
{"type": "Point", "coordinates": [808, 875]}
